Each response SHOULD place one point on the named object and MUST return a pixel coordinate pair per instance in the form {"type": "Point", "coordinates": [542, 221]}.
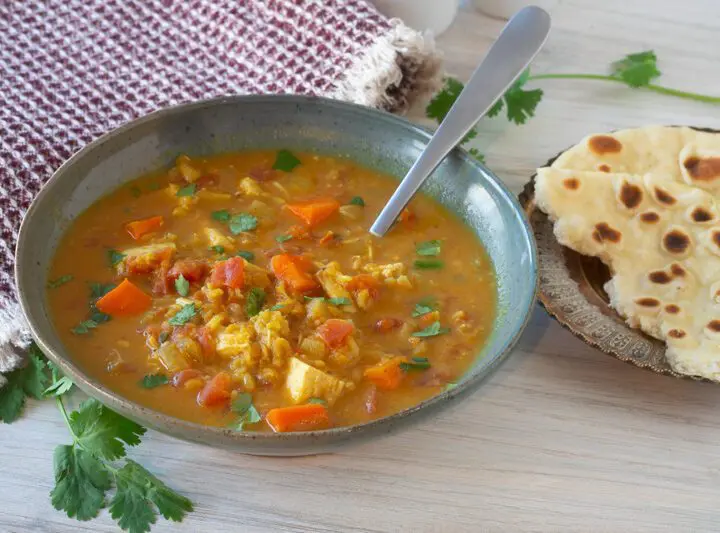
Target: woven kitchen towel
{"type": "Point", "coordinates": [71, 70]}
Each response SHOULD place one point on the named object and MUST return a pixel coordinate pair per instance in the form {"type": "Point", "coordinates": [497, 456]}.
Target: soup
{"type": "Point", "coordinates": [244, 290]}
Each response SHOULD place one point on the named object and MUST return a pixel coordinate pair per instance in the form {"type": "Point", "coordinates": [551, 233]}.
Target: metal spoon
{"type": "Point", "coordinates": [517, 45]}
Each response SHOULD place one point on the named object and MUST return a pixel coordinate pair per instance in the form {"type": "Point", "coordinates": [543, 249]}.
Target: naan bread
{"type": "Point", "coordinates": [645, 201]}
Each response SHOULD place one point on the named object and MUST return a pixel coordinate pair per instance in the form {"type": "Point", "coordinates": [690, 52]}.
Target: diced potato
{"type": "Point", "coordinates": [171, 357]}
{"type": "Point", "coordinates": [186, 169]}
{"type": "Point", "coordinates": [333, 281]}
{"type": "Point", "coordinates": [305, 382]}
{"type": "Point", "coordinates": [250, 187]}
{"type": "Point", "coordinates": [313, 348]}
{"type": "Point", "coordinates": [217, 238]}
{"type": "Point", "coordinates": [256, 276]}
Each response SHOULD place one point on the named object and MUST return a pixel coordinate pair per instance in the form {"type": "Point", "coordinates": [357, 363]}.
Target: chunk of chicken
{"type": "Point", "coordinates": [333, 282]}
{"type": "Point", "coordinates": [305, 382]}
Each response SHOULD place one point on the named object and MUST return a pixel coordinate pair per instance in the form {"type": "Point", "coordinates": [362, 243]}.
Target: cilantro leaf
{"type": "Point", "coordinates": [244, 408]}
{"type": "Point", "coordinates": [218, 249]}
{"type": "Point", "coordinates": [222, 215]}
{"type": "Point", "coordinates": [496, 108]}
{"type": "Point", "coordinates": [255, 301]}
{"type": "Point", "coordinates": [277, 307]}
{"type": "Point", "coordinates": [62, 280]}
{"type": "Point", "coordinates": [521, 104]}
{"type": "Point", "coordinates": [428, 264]}
{"type": "Point", "coordinates": [103, 432]}
{"type": "Point", "coordinates": [357, 200]}
{"type": "Point", "coordinates": [84, 327]}
{"type": "Point", "coordinates": [637, 70]}
{"type": "Point", "coordinates": [428, 248]}
{"type": "Point", "coordinates": [81, 481]}
{"type": "Point", "coordinates": [339, 301]}
{"type": "Point", "coordinates": [441, 103]}
{"type": "Point", "coordinates": [182, 286]}
{"type": "Point", "coordinates": [248, 256]}
{"type": "Point", "coordinates": [285, 161]}
{"type": "Point", "coordinates": [154, 380]}
{"type": "Point", "coordinates": [283, 238]}
{"type": "Point", "coordinates": [30, 380]}
{"type": "Point", "coordinates": [318, 401]}
{"type": "Point", "coordinates": [115, 257]}
{"type": "Point", "coordinates": [417, 363]}
{"type": "Point", "coordinates": [432, 330]}
{"type": "Point", "coordinates": [59, 387]}
{"type": "Point", "coordinates": [423, 307]}
{"type": "Point", "coordinates": [242, 222]}
{"type": "Point", "coordinates": [477, 155]}
{"type": "Point", "coordinates": [188, 190]}
{"type": "Point", "coordinates": [98, 290]}
{"type": "Point", "coordinates": [186, 313]}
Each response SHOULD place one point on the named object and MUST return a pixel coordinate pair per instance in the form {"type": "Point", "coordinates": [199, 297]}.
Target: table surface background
{"type": "Point", "coordinates": [561, 438]}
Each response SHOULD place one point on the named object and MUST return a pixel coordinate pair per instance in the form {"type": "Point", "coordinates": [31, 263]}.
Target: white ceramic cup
{"type": "Point", "coordinates": [507, 8]}
{"type": "Point", "coordinates": [424, 15]}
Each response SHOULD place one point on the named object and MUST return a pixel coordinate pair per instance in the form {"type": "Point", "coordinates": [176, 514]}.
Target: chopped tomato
{"type": "Point", "coordinates": [385, 325]}
{"type": "Point", "coordinates": [387, 375]}
{"type": "Point", "coordinates": [364, 281]}
{"type": "Point", "coordinates": [229, 273]}
{"type": "Point", "coordinates": [179, 379]}
{"type": "Point", "coordinates": [191, 270]}
{"type": "Point", "coordinates": [293, 270]}
{"type": "Point", "coordinates": [206, 341]}
{"type": "Point", "coordinates": [125, 299]}
{"type": "Point", "coordinates": [298, 418]}
{"type": "Point", "coordinates": [162, 284]}
{"type": "Point", "coordinates": [139, 228]}
{"type": "Point", "coordinates": [313, 212]}
{"type": "Point", "coordinates": [216, 391]}
{"type": "Point", "coordinates": [407, 216]}
{"type": "Point", "coordinates": [147, 263]}
{"type": "Point", "coordinates": [335, 332]}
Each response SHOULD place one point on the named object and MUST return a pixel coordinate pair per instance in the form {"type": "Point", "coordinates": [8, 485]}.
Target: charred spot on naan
{"type": "Point", "coordinates": [700, 215]}
{"type": "Point", "coordinates": [604, 144]}
{"type": "Point", "coordinates": [572, 184]}
{"type": "Point", "coordinates": [649, 217]}
{"type": "Point", "coordinates": [702, 169]}
{"type": "Point", "coordinates": [629, 195]}
{"type": "Point", "coordinates": [604, 168]}
{"type": "Point", "coordinates": [676, 333]}
{"type": "Point", "coordinates": [672, 309]}
{"type": "Point", "coordinates": [664, 197]}
{"type": "Point", "coordinates": [676, 242]}
{"type": "Point", "coordinates": [604, 232]}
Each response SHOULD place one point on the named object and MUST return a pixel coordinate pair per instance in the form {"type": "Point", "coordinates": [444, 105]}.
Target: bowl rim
{"type": "Point", "coordinates": [231, 437]}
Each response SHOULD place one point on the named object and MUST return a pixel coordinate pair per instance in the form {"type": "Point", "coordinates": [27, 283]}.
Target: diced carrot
{"type": "Point", "coordinates": [216, 391]}
{"type": "Point", "coordinates": [364, 281]}
{"type": "Point", "coordinates": [191, 270]}
{"type": "Point", "coordinates": [388, 375]}
{"type": "Point", "coordinates": [142, 227]}
{"type": "Point", "coordinates": [179, 379]}
{"type": "Point", "coordinates": [384, 325]}
{"type": "Point", "coordinates": [293, 270]}
{"type": "Point", "coordinates": [229, 273]}
{"type": "Point", "coordinates": [298, 418]}
{"type": "Point", "coordinates": [335, 332]}
{"type": "Point", "coordinates": [125, 299]}
{"type": "Point", "coordinates": [313, 212]}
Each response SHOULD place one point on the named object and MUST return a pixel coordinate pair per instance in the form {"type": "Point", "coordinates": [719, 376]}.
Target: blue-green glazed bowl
{"type": "Point", "coordinates": [375, 139]}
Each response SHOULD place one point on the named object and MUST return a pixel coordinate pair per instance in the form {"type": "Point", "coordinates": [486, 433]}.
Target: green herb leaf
{"type": "Point", "coordinates": [417, 363]}
{"type": "Point", "coordinates": [244, 408]}
{"type": "Point", "coordinates": [428, 248]}
{"type": "Point", "coordinates": [31, 380]}
{"type": "Point", "coordinates": [255, 301]}
{"type": "Point", "coordinates": [98, 290]}
{"type": "Point", "coordinates": [242, 222]}
{"type": "Point", "coordinates": [114, 257]}
{"type": "Point", "coordinates": [477, 155]}
{"type": "Point", "coordinates": [103, 432]}
{"type": "Point", "coordinates": [223, 215]}
{"type": "Point", "coordinates": [283, 238]}
{"type": "Point", "coordinates": [182, 286]}
{"type": "Point", "coordinates": [186, 313]}
{"type": "Point", "coordinates": [637, 70]}
{"type": "Point", "coordinates": [521, 104]}
{"type": "Point", "coordinates": [138, 494]}
{"type": "Point", "coordinates": [339, 301]}
{"type": "Point", "coordinates": [285, 161]}
{"type": "Point", "coordinates": [217, 249]}
{"type": "Point", "coordinates": [164, 335]}
{"type": "Point", "coordinates": [441, 103]}
{"type": "Point", "coordinates": [357, 201]}
{"type": "Point", "coordinates": [154, 380]}
{"type": "Point", "coordinates": [248, 256]}
{"type": "Point", "coordinates": [318, 401]}
{"type": "Point", "coordinates": [425, 306]}
{"type": "Point", "coordinates": [277, 307]}
{"type": "Point", "coordinates": [188, 190]}
{"type": "Point", "coordinates": [59, 387]}
{"type": "Point", "coordinates": [135, 191]}
{"type": "Point", "coordinates": [81, 482]}
{"type": "Point", "coordinates": [428, 264]}
{"type": "Point", "coordinates": [62, 280]}
{"type": "Point", "coordinates": [450, 386]}
{"type": "Point", "coordinates": [84, 327]}
{"type": "Point", "coordinates": [432, 330]}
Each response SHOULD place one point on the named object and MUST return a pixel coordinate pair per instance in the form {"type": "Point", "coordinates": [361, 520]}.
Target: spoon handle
{"type": "Point", "coordinates": [517, 45]}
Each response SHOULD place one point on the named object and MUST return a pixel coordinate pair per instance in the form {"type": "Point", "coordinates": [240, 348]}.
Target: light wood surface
{"type": "Point", "coordinates": [562, 438]}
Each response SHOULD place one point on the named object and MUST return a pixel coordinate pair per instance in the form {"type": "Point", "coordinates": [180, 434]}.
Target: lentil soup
{"type": "Point", "coordinates": [245, 290]}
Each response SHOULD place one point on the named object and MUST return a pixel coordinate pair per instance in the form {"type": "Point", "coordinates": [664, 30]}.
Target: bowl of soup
{"type": "Point", "coordinates": [207, 271]}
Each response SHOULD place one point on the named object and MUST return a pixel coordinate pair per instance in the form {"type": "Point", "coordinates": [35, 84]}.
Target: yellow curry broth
{"type": "Point", "coordinates": [120, 352]}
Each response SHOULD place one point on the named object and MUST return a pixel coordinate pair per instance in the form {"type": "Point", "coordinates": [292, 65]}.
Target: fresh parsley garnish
{"type": "Point", "coordinates": [285, 161]}
{"type": "Point", "coordinates": [154, 380]}
{"type": "Point", "coordinates": [428, 248]}
{"type": "Point", "coordinates": [248, 256]}
{"type": "Point", "coordinates": [417, 363]}
{"type": "Point", "coordinates": [188, 190]}
{"type": "Point", "coordinates": [357, 200]}
{"type": "Point", "coordinates": [60, 386]}
{"type": "Point", "coordinates": [332, 301]}
{"type": "Point", "coordinates": [255, 301]}
{"type": "Point", "coordinates": [243, 407]}
{"type": "Point", "coordinates": [186, 313]}
{"type": "Point", "coordinates": [84, 327]}
{"type": "Point", "coordinates": [277, 307]}
{"type": "Point", "coordinates": [242, 222]}
{"type": "Point", "coordinates": [518, 103]}
{"type": "Point", "coordinates": [223, 215]}
{"type": "Point", "coordinates": [114, 257]}
{"type": "Point", "coordinates": [283, 238]}
{"type": "Point", "coordinates": [28, 381]}
{"type": "Point", "coordinates": [432, 330]}
{"type": "Point", "coordinates": [424, 306]}
{"type": "Point", "coordinates": [428, 264]}
{"type": "Point", "coordinates": [637, 70]}
{"type": "Point", "coordinates": [182, 286]}
{"type": "Point", "coordinates": [62, 280]}
{"type": "Point", "coordinates": [217, 249]}
{"type": "Point", "coordinates": [98, 290]}
{"type": "Point", "coordinates": [319, 401]}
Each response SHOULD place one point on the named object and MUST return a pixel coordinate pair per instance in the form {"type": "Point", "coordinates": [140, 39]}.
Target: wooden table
{"type": "Point", "coordinates": [562, 438]}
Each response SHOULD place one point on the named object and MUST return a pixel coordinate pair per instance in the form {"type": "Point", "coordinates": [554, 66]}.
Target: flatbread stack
{"type": "Point", "coordinates": [646, 202]}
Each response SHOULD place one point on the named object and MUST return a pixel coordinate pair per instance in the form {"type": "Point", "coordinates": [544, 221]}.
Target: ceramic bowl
{"type": "Point", "coordinates": [375, 139]}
